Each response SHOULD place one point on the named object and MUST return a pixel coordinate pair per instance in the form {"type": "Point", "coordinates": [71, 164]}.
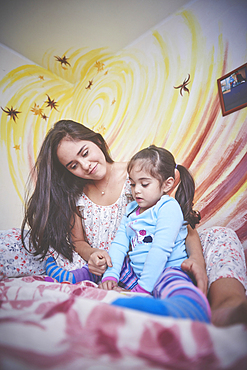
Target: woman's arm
{"type": "Point", "coordinates": [195, 264]}
{"type": "Point", "coordinates": [117, 252]}
{"type": "Point", "coordinates": [97, 259]}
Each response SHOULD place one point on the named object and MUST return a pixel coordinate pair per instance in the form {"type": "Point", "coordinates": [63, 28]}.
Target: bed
{"type": "Point", "coordinates": [48, 325]}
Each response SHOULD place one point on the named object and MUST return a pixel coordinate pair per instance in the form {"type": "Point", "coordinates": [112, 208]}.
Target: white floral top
{"type": "Point", "coordinates": [100, 223]}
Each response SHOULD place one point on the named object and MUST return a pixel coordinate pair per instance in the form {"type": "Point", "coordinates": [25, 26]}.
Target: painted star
{"type": "Point", "coordinates": [44, 116]}
{"type": "Point", "coordinates": [36, 110]}
{"type": "Point", "coordinates": [11, 112]}
{"type": "Point", "coordinates": [90, 83]}
{"type": "Point", "coordinates": [41, 78]}
{"type": "Point", "coordinates": [183, 86]}
{"type": "Point", "coordinates": [17, 147]}
{"type": "Point", "coordinates": [51, 103]}
{"type": "Point", "coordinates": [63, 60]}
{"type": "Point", "coordinates": [99, 66]}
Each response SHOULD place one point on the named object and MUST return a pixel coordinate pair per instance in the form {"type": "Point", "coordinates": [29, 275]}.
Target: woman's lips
{"type": "Point", "coordinates": [93, 170]}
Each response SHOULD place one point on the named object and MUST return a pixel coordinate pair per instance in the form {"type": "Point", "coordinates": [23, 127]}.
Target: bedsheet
{"type": "Point", "coordinates": [48, 325]}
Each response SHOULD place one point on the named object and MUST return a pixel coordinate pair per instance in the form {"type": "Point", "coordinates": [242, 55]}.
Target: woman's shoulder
{"type": "Point", "coordinates": [126, 190]}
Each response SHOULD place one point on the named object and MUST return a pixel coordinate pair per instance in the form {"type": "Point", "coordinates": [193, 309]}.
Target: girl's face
{"type": "Point", "coordinates": [146, 189]}
{"type": "Point", "coordinates": [82, 158]}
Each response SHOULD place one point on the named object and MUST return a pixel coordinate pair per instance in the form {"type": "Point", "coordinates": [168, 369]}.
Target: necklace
{"type": "Point", "coordinates": [103, 191]}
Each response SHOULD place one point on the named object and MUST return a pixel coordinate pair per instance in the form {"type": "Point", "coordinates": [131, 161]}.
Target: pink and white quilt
{"type": "Point", "coordinates": [48, 325]}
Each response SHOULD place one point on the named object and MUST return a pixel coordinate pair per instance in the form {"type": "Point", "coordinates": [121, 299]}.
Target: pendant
{"type": "Point", "coordinates": [102, 193]}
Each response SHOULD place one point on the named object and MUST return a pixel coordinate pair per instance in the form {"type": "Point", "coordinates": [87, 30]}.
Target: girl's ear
{"type": "Point", "coordinates": [168, 185]}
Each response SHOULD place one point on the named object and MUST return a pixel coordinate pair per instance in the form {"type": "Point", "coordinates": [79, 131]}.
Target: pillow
{"type": "Point", "coordinates": [15, 260]}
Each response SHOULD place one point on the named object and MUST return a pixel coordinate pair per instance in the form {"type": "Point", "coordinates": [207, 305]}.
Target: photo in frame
{"type": "Point", "coordinates": [232, 88]}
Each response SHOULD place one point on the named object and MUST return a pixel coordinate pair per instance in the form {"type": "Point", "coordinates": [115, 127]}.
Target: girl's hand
{"type": "Point", "coordinates": [108, 285]}
{"type": "Point", "coordinates": [98, 262]}
{"type": "Point", "coordinates": [197, 272]}
{"type": "Point", "coordinates": [119, 289]}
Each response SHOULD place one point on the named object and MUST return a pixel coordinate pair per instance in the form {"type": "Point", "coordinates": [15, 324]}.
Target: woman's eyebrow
{"type": "Point", "coordinates": [67, 165]}
{"type": "Point", "coordinates": [83, 146]}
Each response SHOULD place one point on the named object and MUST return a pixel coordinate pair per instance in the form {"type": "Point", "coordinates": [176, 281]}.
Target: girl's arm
{"type": "Point", "coordinates": [97, 259]}
{"type": "Point", "coordinates": [195, 264]}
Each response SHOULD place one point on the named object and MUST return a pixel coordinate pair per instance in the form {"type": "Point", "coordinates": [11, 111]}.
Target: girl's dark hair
{"type": "Point", "coordinates": [50, 211]}
{"type": "Point", "coordinates": [161, 165]}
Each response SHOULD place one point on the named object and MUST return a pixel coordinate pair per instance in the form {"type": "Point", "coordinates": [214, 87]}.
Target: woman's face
{"type": "Point", "coordinates": [82, 158]}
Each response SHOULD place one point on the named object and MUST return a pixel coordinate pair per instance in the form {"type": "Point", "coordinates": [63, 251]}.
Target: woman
{"type": "Point", "coordinates": [76, 178]}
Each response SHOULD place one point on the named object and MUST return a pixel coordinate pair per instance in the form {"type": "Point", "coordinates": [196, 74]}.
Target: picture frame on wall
{"type": "Point", "coordinates": [232, 88]}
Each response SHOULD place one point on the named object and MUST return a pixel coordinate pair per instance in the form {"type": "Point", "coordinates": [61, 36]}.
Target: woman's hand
{"type": "Point", "coordinates": [195, 264]}
{"type": "Point", "coordinates": [197, 272]}
{"type": "Point", "coordinates": [98, 262]}
{"type": "Point", "coordinates": [108, 285]}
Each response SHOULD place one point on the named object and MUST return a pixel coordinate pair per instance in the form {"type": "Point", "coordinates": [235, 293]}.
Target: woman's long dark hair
{"type": "Point", "coordinates": [50, 211]}
{"type": "Point", "coordinates": [161, 164]}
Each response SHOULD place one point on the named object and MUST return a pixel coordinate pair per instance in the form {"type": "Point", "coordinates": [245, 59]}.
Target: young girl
{"type": "Point", "coordinates": [154, 224]}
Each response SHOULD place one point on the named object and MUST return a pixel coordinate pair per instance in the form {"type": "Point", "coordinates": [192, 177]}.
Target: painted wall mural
{"type": "Point", "coordinates": [162, 89]}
